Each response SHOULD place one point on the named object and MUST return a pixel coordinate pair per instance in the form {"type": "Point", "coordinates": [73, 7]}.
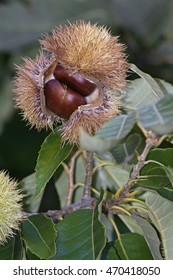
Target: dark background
{"type": "Point", "coordinates": [146, 27]}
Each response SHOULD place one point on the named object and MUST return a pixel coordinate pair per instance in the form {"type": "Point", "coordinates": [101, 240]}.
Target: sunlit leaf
{"type": "Point", "coordinates": [158, 117]}
{"type": "Point", "coordinates": [117, 128]}
{"type": "Point", "coordinates": [52, 153]}
{"type": "Point", "coordinates": [150, 236]}
{"type": "Point", "coordinates": [138, 94]}
{"type": "Point", "coordinates": [156, 90]}
{"type": "Point", "coordinates": [131, 224]}
{"type": "Point", "coordinates": [109, 135]}
{"type": "Point", "coordinates": [94, 143]}
{"type": "Point", "coordinates": [166, 87]}
{"type": "Point", "coordinates": [161, 213]}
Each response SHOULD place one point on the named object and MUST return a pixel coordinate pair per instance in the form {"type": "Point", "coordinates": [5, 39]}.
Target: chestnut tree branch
{"type": "Point", "coordinates": [57, 215]}
{"type": "Point", "coordinates": [89, 174]}
{"type": "Point", "coordinates": [87, 201]}
{"type": "Point", "coordinates": [151, 140]}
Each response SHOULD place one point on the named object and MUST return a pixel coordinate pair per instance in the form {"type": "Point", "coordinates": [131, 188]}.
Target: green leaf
{"type": "Point", "coordinates": [157, 174]}
{"type": "Point", "coordinates": [81, 236]}
{"type": "Point", "coordinates": [158, 117]}
{"type": "Point", "coordinates": [117, 128]}
{"type": "Point", "coordinates": [110, 176]}
{"type": "Point", "coordinates": [52, 153]}
{"type": "Point", "coordinates": [163, 156]}
{"type": "Point", "coordinates": [12, 249]}
{"type": "Point", "coordinates": [156, 90]}
{"type": "Point", "coordinates": [109, 135]}
{"type": "Point", "coordinates": [39, 235]}
{"type": "Point", "coordinates": [28, 186]}
{"type": "Point", "coordinates": [31, 256]}
{"type": "Point", "coordinates": [131, 224]}
{"type": "Point", "coordinates": [125, 151]}
{"type": "Point", "coordinates": [166, 87]}
{"type": "Point", "coordinates": [109, 252]}
{"type": "Point", "coordinates": [150, 236]}
{"type": "Point", "coordinates": [94, 143]}
{"type": "Point", "coordinates": [161, 213]}
{"type": "Point", "coordinates": [61, 185]}
{"type": "Point", "coordinates": [99, 227]}
{"type": "Point", "coordinates": [131, 246]}
{"type": "Point", "coordinates": [138, 94]}
{"type": "Point", "coordinates": [106, 175]}
{"type": "Point", "coordinates": [153, 177]}
{"type": "Point", "coordinates": [61, 181]}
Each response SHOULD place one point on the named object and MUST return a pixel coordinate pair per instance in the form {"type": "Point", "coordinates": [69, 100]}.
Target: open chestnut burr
{"type": "Point", "coordinates": [76, 80]}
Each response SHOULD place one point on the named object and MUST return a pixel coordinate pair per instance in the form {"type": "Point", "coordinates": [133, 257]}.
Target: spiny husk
{"type": "Point", "coordinates": [89, 120]}
{"type": "Point", "coordinates": [89, 49]}
{"type": "Point", "coordinates": [28, 89]}
{"type": "Point", "coordinates": [10, 207]}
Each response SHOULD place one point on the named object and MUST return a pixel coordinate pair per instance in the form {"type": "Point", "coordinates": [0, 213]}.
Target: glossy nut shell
{"type": "Point", "coordinates": [74, 81]}
{"type": "Point", "coordinates": [61, 100]}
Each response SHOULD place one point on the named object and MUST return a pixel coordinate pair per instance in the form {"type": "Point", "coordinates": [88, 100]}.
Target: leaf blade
{"type": "Point", "coordinates": [150, 236]}
{"type": "Point", "coordinates": [161, 214]}
{"type": "Point", "coordinates": [39, 235]}
{"type": "Point", "coordinates": [158, 93]}
{"type": "Point", "coordinates": [157, 174]}
{"type": "Point", "coordinates": [109, 135]}
{"type": "Point", "coordinates": [51, 155]}
{"type": "Point", "coordinates": [118, 128]}
{"type": "Point", "coordinates": [131, 246]}
{"type": "Point", "coordinates": [158, 117]}
{"type": "Point", "coordinates": [77, 238]}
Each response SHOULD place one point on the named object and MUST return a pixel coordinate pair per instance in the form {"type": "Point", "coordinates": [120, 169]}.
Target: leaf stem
{"type": "Point", "coordinates": [70, 174]}
{"type": "Point", "coordinates": [121, 209]}
{"type": "Point", "coordinates": [102, 165]}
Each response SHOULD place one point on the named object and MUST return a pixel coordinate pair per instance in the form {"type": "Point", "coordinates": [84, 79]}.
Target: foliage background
{"type": "Point", "coordinates": [144, 26]}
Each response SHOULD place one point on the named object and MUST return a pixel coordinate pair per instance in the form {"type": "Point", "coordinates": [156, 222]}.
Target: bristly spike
{"type": "Point", "coordinates": [10, 207]}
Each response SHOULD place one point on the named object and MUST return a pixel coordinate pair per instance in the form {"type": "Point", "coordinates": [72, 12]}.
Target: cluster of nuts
{"type": "Point", "coordinates": [67, 91]}
{"type": "Point", "coordinates": [77, 82]}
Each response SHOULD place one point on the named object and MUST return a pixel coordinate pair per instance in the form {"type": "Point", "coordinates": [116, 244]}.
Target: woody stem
{"type": "Point", "coordinates": [89, 173]}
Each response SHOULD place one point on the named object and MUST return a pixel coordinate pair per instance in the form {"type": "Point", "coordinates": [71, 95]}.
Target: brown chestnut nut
{"type": "Point", "coordinates": [61, 100]}
{"type": "Point", "coordinates": [74, 81]}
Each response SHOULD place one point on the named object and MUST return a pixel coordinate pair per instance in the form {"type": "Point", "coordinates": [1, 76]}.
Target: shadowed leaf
{"type": "Point", "coordinates": [81, 236]}
{"type": "Point", "coordinates": [39, 235]}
